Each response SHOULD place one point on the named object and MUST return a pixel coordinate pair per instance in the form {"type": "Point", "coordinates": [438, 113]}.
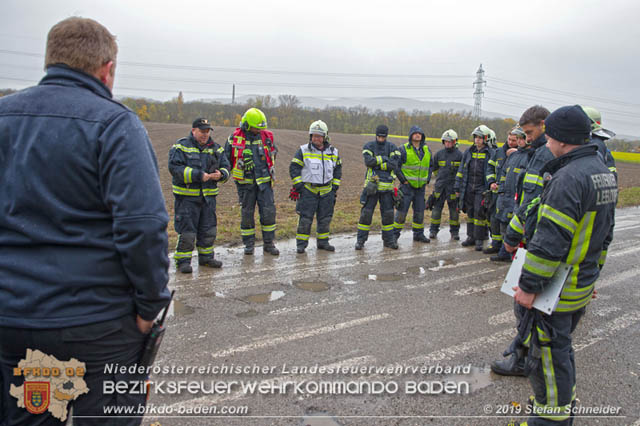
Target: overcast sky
{"type": "Point", "coordinates": [549, 52]}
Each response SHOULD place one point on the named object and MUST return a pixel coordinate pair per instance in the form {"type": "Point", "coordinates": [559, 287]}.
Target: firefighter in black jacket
{"type": "Point", "coordinates": [575, 221]}
{"type": "Point", "coordinates": [197, 164]}
{"type": "Point", "coordinates": [471, 185]}
{"type": "Point", "coordinates": [444, 167]}
{"type": "Point", "coordinates": [315, 170]}
{"type": "Point", "coordinates": [382, 159]}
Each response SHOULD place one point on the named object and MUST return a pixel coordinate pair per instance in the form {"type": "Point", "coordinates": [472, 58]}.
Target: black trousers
{"type": "Point", "coordinates": [310, 205]}
{"type": "Point", "coordinates": [111, 342]}
{"type": "Point", "coordinates": [476, 216]}
{"type": "Point", "coordinates": [195, 222]}
{"type": "Point", "coordinates": [386, 212]}
{"type": "Point", "coordinates": [413, 196]}
{"type": "Point", "coordinates": [262, 195]}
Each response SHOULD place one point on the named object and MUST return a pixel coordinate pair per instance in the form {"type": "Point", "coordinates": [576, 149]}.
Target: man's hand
{"type": "Point", "coordinates": [217, 175]}
{"type": "Point", "coordinates": [523, 298]}
{"type": "Point", "coordinates": [143, 325]}
{"type": "Point", "coordinates": [494, 186]}
{"type": "Point", "coordinates": [511, 151]}
{"type": "Point", "coordinates": [509, 248]}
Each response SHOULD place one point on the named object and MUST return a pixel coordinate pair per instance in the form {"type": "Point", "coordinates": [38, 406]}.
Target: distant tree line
{"type": "Point", "coordinates": [286, 112]}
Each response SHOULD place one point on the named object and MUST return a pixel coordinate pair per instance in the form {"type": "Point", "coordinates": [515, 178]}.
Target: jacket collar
{"type": "Point", "coordinates": [558, 163]}
{"type": "Point", "coordinates": [64, 75]}
{"type": "Point", "coordinates": [539, 141]}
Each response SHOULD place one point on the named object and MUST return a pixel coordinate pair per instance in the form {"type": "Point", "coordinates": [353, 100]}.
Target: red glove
{"type": "Point", "coordinates": [294, 195]}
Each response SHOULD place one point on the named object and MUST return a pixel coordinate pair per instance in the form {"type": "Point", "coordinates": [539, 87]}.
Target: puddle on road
{"type": "Point", "coordinates": [177, 308]}
{"type": "Point", "coordinates": [349, 282]}
{"type": "Point", "coordinates": [319, 418]}
{"type": "Point", "coordinates": [219, 294]}
{"type": "Point", "coordinates": [386, 277]}
{"type": "Point", "coordinates": [416, 271]}
{"type": "Point", "coordinates": [442, 263]}
{"type": "Point", "coordinates": [478, 378]}
{"type": "Point", "coordinates": [314, 286]}
{"type": "Point", "coordinates": [264, 297]}
{"type": "Point", "coordinates": [247, 314]}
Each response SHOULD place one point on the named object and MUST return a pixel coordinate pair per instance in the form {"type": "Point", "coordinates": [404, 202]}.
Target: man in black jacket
{"type": "Point", "coordinates": [83, 257]}
{"type": "Point", "coordinates": [575, 220]}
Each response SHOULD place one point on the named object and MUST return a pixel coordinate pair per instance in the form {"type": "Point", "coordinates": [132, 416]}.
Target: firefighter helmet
{"type": "Point", "coordinates": [492, 141]}
{"type": "Point", "coordinates": [253, 118]}
{"type": "Point", "coordinates": [319, 127]}
{"type": "Point", "coordinates": [519, 133]}
{"type": "Point", "coordinates": [450, 135]}
{"type": "Point", "coordinates": [481, 131]}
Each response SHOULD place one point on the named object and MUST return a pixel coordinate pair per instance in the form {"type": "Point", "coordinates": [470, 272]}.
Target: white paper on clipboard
{"type": "Point", "coordinates": [547, 300]}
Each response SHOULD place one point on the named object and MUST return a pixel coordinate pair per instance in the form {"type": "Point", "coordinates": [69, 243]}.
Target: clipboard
{"type": "Point", "coordinates": [546, 301]}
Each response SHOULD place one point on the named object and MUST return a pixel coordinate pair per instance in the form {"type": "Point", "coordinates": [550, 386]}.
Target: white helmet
{"type": "Point", "coordinates": [319, 127]}
{"type": "Point", "coordinates": [450, 135]}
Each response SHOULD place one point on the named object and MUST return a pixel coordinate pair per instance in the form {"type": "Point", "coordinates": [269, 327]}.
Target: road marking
{"type": "Point", "coordinates": [608, 329]}
{"type": "Point", "coordinates": [478, 289]}
{"type": "Point", "coordinates": [623, 252]}
{"type": "Point", "coordinates": [300, 335]}
{"type": "Point", "coordinates": [616, 278]}
{"type": "Point", "coordinates": [448, 279]}
{"type": "Point", "coordinates": [503, 318]}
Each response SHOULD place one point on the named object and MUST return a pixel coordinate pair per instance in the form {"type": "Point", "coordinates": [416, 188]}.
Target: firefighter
{"type": "Point", "coordinates": [197, 164]}
{"type": "Point", "coordinates": [599, 136]}
{"type": "Point", "coordinates": [471, 185]}
{"type": "Point", "coordinates": [382, 160]}
{"type": "Point", "coordinates": [575, 220]}
{"type": "Point", "coordinates": [496, 165]}
{"type": "Point", "coordinates": [532, 124]}
{"type": "Point", "coordinates": [315, 170]}
{"type": "Point", "coordinates": [510, 177]}
{"type": "Point", "coordinates": [252, 153]}
{"type": "Point", "coordinates": [414, 175]}
{"type": "Point", "coordinates": [444, 166]}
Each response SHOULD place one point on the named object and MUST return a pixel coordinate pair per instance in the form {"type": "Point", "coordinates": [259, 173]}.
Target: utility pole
{"type": "Point", "coordinates": [478, 93]}
{"type": "Point", "coordinates": [233, 95]}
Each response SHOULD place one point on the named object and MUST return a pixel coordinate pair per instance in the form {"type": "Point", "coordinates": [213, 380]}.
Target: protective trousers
{"type": "Point", "coordinates": [454, 214]}
{"type": "Point", "coordinates": [250, 194]}
{"type": "Point", "coordinates": [307, 206]}
{"type": "Point", "coordinates": [494, 223]}
{"type": "Point", "coordinates": [476, 216]}
{"type": "Point", "coordinates": [386, 212]}
{"type": "Point", "coordinates": [195, 222]}
{"type": "Point", "coordinates": [553, 377]}
{"type": "Point", "coordinates": [416, 196]}
{"type": "Point", "coordinates": [97, 345]}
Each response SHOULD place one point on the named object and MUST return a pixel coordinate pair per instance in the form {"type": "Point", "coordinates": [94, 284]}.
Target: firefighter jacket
{"type": "Point", "coordinates": [604, 152]}
{"type": "Point", "coordinates": [510, 177]}
{"type": "Point", "coordinates": [189, 161]}
{"type": "Point", "coordinates": [444, 167]}
{"type": "Point", "coordinates": [382, 160]}
{"type": "Point", "coordinates": [263, 152]}
{"type": "Point", "coordinates": [319, 170]}
{"type": "Point", "coordinates": [473, 171]}
{"type": "Point", "coordinates": [496, 162]}
{"type": "Point", "coordinates": [575, 226]}
{"type": "Point", "coordinates": [415, 163]}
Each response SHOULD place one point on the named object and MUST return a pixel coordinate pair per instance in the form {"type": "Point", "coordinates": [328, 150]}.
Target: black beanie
{"type": "Point", "coordinates": [382, 130]}
{"type": "Point", "coordinates": [568, 124]}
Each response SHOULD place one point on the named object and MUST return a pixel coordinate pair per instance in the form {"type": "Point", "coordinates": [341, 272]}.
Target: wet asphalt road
{"type": "Point", "coordinates": [436, 304]}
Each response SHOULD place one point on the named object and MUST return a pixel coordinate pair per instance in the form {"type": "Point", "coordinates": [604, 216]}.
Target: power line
{"type": "Point", "coordinates": [257, 71]}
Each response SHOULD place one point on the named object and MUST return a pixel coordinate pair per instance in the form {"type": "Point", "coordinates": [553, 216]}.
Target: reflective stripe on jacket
{"type": "Point", "coordinates": [415, 168]}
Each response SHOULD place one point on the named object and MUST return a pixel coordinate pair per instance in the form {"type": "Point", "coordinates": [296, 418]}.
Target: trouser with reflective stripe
{"type": "Point", "coordinates": [415, 196]}
{"type": "Point", "coordinates": [494, 223]}
{"type": "Point", "coordinates": [476, 216]}
{"type": "Point", "coordinates": [308, 205]}
{"type": "Point", "coordinates": [196, 224]}
{"type": "Point", "coordinates": [250, 195]}
{"type": "Point", "coordinates": [553, 377]}
{"type": "Point", "coordinates": [366, 215]}
{"type": "Point", "coordinates": [454, 214]}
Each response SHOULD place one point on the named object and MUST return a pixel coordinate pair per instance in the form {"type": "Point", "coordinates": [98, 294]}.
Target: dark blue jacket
{"type": "Point", "coordinates": [82, 218]}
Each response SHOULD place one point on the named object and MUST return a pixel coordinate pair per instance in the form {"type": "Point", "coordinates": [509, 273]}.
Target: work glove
{"type": "Point", "coordinates": [247, 156]}
{"type": "Point", "coordinates": [431, 201]}
{"type": "Point", "coordinates": [294, 195]}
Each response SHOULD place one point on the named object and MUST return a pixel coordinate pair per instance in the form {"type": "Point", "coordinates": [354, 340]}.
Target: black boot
{"type": "Point", "coordinates": [211, 263]}
{"type": "Point", "coordinates": [433, 235]}
{"type": "Point", "coordinates": [326, 246]}
{"type": "Point", "coordinates": [359, 245]}
{"type": "Point", "coordinates": [468, 242]}
{"type": "Point", "coordinates": [492, 249]}
{"type": "Point", "coordinates": [498, 258]}
{"type": "Point", "coordinates": [185, 268]}
{"type": "Point", "coordinates": [248, 250]}
{"type": "Point", "coordinates": [512, 366]}
{"type": "Point", "coordinates": [479, 244]}
{"type": "Point", "coordinates": [421, 238]}
{"type": "Point", "coordinates": [271, 249]}
{"type": "Point", "coordinates": [391, 245]}
{"type": "Point", "coordinates": [455, 236]}
{"type": "Point", "coordinates": [300, 250]}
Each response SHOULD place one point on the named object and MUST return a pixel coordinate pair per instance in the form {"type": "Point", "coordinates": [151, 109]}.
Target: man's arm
{"type": "Point", "coordinates": [178, 165]}
{"type": "Point", "coordinates": [295, 169]}
{"type": "Point", "coordinates": [131, 190]}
